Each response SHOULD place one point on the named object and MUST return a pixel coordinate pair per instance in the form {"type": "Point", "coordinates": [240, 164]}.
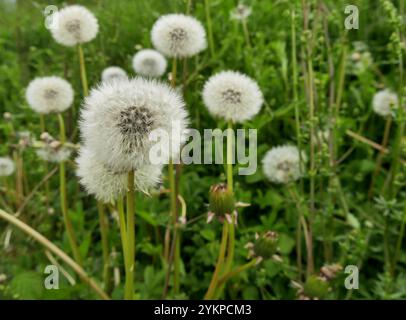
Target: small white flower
{"type": "Point", "coordinates": [241, 12]}
{"type": "Point", "coordinates": [149, 63]}
{"type": "Point", "coordinates": [282, 164]}
{"type": "Point", "coordinates": [74, 25]}
{"type": "Point", "coordinates": [54, 155]}
{"type": "Point", "coordinates": [6, 166]}
{"type": "Point", "coordinates": [113, 73]}
{"type": "Point", "coordinates": [178, 35]}
{"type": "Point", "coordinates": [118, 118]}
{"type": "Point", "coordinates": [105, 183]}
{"type": "Point", "coordinates": [384, 102]}
{"type": "Point", "coordinates": [49, 94]}
{"type": "Point", "coordinates": [232, 96]}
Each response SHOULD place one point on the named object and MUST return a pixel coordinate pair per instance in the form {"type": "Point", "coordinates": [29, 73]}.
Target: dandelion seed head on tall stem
{"type": "Point", "coordinates": [178, 35]}
{"type": "Point", "coordinates": [149, 63]}
{"type": "Point", "coordinates": [241, 12]}
{"type": "Point", "coordinates": [7, 166]}
{"type": "Point", "coordinates": [232, 96]}
{"type": "Point", "coordinates": [282, 164]}
{"type": "Point", "coordinates": [118, 119]}
{"type": "Point", "coordinates": [49, 95]}
{"type": "Point", "coordinates": [74, 25]}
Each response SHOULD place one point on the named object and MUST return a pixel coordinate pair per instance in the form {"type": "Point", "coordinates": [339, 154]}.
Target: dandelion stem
{"type": "Point", "coordinates": [230, 156]}
{"type": "Point", "coordinates": [236, 271]}
{"type": "Point", "coordinates": [209, 27]}
{"type": "Point", "coordinates": [64, 200]}
{"type": "Point", "coordinates": [399, 244]}
{"type": "Point", "coordinates": [83, 75]}
{"type": "Point", "coordinates": [54, 249]}
{"type": "Point", "coordinates": [123, 230]}
{"type": "Point", "coordinates": [46, 187]}
{"type": "Point", "coordinates": [220, 260]}
{"type": "Point", "coordinates": [129, 280]}
{"type": "Point", "coordinates": [105, 246]}
{"type": "Point", "coordinates": [246, 33]}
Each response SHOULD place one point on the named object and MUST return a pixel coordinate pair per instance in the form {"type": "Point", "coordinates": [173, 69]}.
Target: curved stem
{"type": "Point", "coordinates": [213, 284]}
{"type": "Point", "coordinates": [236, 271]}
{"type": "Point", "coordinates": [129, 280]}
{"type": "Point", "coordinates": [63, 198]}
{"type": "Point", "coordinates": [54, 249]}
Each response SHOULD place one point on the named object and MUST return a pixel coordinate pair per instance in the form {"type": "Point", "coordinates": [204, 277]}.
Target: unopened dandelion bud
{"type": "Point", "coordinates": [265, 245]}
{"type": "Point", "coordinates": [315, 288]}
{"type": "Point", "coordinates": [221, 200]}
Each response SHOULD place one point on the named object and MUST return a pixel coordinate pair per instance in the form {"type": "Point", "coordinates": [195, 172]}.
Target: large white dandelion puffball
{"type": "Point", "coordinates": [122, 120]}
{"type": "Point", "coordinates": [384, 102]}
{"type": "Point", "coordinates": [149, 63]}
{"type": "Point", "coordinates": [106, 184]}
{"type": "Point", "coordinates": [7, 166]}
{"type": "Point", "coordinates": [233, 96]}
{"type": "Point", "coordinates": [49, 94]}
{"type": "Point", "coordinates": [113, 73]}
{"type": "Point", "coordinates": [178, 35]}
{"type": "Point", "coordinates": [282, 164]}
{"type": "Point", "coordinates": [73, 25]}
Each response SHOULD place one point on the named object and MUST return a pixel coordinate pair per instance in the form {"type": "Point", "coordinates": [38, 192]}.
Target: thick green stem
{"type": "Point", "coordinates": [83, 76]}
{"type": "Point", "coordinates": [230, 156]}
{"type": "Point", "coordinates": [209, 27]}
{"type": "Point", "coordinates": [214, 280]}
{"type": "Point", "coordinates": [246, 33]}
{"type": "Point", "coordinates": [236, 271]}
{"type": "Point", "coordinates": [64, 200]}
{"type": "Point", "coordinates": [129, 280]}
{"type": "Point", "coordinates": [105, 246]}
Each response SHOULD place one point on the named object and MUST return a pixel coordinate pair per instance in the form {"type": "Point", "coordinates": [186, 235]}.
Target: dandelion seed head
{"type": "Point", "coordinates": [49, 95]}
{"type": "Point", "coordinates": [384, 102]}
{"type": "Point", "coordinates": [54, 155]}
{"type": "Point", "coordinates": [178, 35]}
{"type": "Point", "coordinates": [74, 25]}
{"type": "Point", "coordinates": [118, 118]}
{"type": "Point", "coordinates": [149, 63]}
{"type": "Point", "coordinates": [241, 12]}
{"type": "Point", "coordinates": [113, 73]}
{"type": "Point", "coordinates": [7, 166]}
{"type": "Point", "coordinates": [107, 184]}
{"type": "Point", "coordinates": [282, 164]}
{"type": "Point", "coordinates": [232, 96]}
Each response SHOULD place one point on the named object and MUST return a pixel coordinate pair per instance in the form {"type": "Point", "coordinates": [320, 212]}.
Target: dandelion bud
{"type": "Point", "coordinates": [221, 200]}
{"type": "Point", "coordinates": [315, 287]}
{"type": "Point", "coordinates": [265, 245]}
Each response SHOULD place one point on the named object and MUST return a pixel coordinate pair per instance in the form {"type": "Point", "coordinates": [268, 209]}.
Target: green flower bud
{"type": "Point", "coordinates": [221, 200]}
{"type": "Point", "coordinates": [315, 287]}
{"type": "Point", "coordinates": [265, 245]}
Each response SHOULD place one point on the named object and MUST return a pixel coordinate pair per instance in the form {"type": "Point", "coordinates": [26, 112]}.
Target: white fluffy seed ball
{"type": "Point", "coordinates": [118, 119]}
{"type": "Point", "coordinates": [73, 25]}
{"type": "Point", "coordinates": [106, 184]}
{"type": "Point", "coordinates": [6, 166]}
{"type": "Point", "coordinates": [178, 35]}
{"type": "Point", "coordinates": [384, 102]}
{"type": "Point", "coordinates": [54, 155]}
{"type": "Point", "coordinates": [282, 164]}
{"type": "Point", "coordinates": [113, 73]}
{"type": "Point", "coordinates": [49, 94]}
{"type": "Point", "coordinates": [149, 63]}
{"type": "Point", "coordinates": [232, 96]}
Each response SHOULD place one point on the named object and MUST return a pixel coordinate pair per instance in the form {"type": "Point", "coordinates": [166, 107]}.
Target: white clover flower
{"type": "Point", "coordinates": [241, 12]}
{"type": "Point", "coordinates": [7, 166]}
{"type": "Point", "coordinates": [233, 96]}
{"type": "Point", "coordinates": [49, 94]}
{"type": "Point", "coordinates": [178, 35]}
{"type": "Point", "coordinates": [384, 102]}
{"type": "Point", "coordinates": [74, 25]}
{"type": "Point", "coordinates": [282, 164]}
{"type": "Point", "coordinates": [149, 63]}
{"type": "Point", "coordinates": [54, 155]}
{"type": "Point", "coordinates": [106, 184]}
{"type": "Point", "coordinates": [118, 118]}
{"type": "Point", "coordinates": [113, 73]}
